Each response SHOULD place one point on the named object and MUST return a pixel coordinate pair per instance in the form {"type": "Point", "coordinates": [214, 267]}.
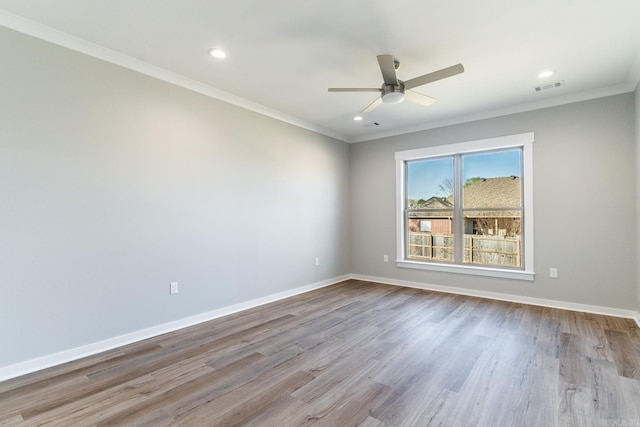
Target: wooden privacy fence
{"type": "Point", "coordinates": [478, 249]}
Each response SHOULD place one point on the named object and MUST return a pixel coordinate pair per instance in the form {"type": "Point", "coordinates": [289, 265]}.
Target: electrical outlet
{"type": "Point", "coordinates": [553, 273]}
{"type": "Point", "coordinates": [173, 288]}
{"type": "Point", "coordinates": [385, 258]}
{"type": "Point", "coordinates": [317, 261]}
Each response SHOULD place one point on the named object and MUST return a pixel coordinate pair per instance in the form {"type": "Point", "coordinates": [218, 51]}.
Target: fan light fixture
{"type": "Point", "coordinates": [357, 118]}
{"type": "Point", "coordinates": [392, 94]}
{"type": "Point", "coordinates": [393, 98]}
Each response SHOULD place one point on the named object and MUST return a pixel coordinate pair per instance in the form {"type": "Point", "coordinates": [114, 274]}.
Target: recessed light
{"type": "Point", "coordinates": [358, 118]}
{"type": "Point", "coordinates": [217, 53]}
{"type": "Point", "coordinates": [545, 74]}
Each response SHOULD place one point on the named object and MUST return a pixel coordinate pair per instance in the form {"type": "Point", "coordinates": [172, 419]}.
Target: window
{"type": "Point", "coordinates": [425, 226]}
{"type": "Point", "coordinates": [467, 207]}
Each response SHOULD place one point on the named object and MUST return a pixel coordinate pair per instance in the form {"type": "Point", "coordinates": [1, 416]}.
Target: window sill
{"type": "Point", "coordinates": [465, 269]}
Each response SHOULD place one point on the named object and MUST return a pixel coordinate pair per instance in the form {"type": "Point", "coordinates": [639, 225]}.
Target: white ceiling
{"type": "Point", "coordinates": [284, 54]}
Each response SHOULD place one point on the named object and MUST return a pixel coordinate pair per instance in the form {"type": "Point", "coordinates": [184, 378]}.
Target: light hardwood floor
{"type": "Point", "coordinates": [354, 354]}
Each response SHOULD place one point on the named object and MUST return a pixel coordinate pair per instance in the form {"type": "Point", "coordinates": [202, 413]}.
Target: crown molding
{"type": "Point", "coordinates": [60, 38]}
{"type": "Point", "coordinates": [629, 86]}
{"type": "Point", "coordinates": [51, 35]}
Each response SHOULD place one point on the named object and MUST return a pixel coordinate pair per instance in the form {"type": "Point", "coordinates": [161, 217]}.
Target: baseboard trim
{"type": "Point", "coordinates": [37, 364]}
{"type": "Point", "coordinates": [585, 308]}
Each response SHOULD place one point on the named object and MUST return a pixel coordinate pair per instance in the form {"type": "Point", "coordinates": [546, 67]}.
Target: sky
{"type": "Point", "coordinates": [424, 176]}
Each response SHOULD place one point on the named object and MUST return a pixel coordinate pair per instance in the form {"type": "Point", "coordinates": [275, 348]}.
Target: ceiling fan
{"type": "Point", "coordinates": [394, 91]}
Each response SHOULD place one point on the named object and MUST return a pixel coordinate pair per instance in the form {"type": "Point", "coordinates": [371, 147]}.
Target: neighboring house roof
{"type": "Point", "coordinates": [436, 203]}
{"type": "Point", "coordinates": [486, 193]}
{"type": "Point", "coordinates": [432, 203]}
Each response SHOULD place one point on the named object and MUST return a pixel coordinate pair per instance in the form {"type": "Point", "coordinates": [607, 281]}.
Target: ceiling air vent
{"type": "Point", "coordinates": [548, 86]}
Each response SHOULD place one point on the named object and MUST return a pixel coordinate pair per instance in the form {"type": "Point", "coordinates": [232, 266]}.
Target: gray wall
{"type": "Point", "coordinates": [114, 184]}
{"type": "Point", "coordinates": [584, 202]}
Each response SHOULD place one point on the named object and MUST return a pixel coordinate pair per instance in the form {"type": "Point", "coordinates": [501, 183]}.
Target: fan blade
{"type": "Point", "coordinates": [373, 105]}
{"type": "Point", "coordinates": [435, 76]}
{"type": "Point", "coordinates": [419, 98]}
{"type": "Point", "coordinates": [355, 89]}
{"type": "Point", "coordinates": [388, 69]}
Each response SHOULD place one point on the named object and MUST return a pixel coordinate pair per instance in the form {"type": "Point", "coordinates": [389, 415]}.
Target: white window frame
{"type": "Point", "coordinates": [524, 141]}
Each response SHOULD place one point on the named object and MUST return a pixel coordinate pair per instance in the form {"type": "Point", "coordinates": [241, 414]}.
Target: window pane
{"type": "Point", "coordinates": [430, 236]}
{"type": "Point", "coordinates": [492, 180]}
{"type": "Point", "coordinates": [492, 208]}
{"type": "Point", "coordinates": [503, 249]}
{"type": "Point", "coordinates": [430, 209]}
{"type": "Point", "coordinates": [430, 183]}
{"type": "Point", "coordinates": [493, 223]}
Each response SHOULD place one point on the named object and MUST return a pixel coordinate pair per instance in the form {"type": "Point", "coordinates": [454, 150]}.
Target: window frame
{"type": "Point", "coordinates": [523, 141]}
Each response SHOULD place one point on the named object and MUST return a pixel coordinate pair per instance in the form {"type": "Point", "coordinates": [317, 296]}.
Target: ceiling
{"type": "Point", "coordinates": [284, 54]}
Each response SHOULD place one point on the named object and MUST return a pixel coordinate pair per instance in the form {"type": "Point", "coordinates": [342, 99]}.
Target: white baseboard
{"type": "Point", "coordinates": [33, 365]}
{"type": "Point", "coordinates": [48, 361]}
{"type": "Point", "coordinates": [595, 309]}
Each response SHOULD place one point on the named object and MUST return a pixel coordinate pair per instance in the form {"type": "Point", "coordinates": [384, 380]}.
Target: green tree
{"type": "Point", "coordinates": [470, 181]}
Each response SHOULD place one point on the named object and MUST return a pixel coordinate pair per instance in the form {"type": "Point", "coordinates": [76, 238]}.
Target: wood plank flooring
{"type": "Point", "coordinates": [354, 354]}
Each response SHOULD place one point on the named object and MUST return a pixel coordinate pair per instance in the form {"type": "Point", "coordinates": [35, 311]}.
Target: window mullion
{"type": "Point", "coordinates": [458, 222]}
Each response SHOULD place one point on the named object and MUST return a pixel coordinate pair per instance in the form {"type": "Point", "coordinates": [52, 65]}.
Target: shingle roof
{"type": "Point", "coordinates": [486, 193]}
{"type": "Point", "coordinates": [437, 203]}
{"type": "Point", "coordinates": [431, 203]}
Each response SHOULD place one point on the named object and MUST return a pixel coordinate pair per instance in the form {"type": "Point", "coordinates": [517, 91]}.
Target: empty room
{"type": "Point", "coordinates": [336, 213]}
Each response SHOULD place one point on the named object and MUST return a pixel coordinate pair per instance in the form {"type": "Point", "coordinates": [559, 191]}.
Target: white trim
{"type": "Point", "coordinates": [524, 140]}
{"type": "Point", "coordinates": [508, 141]}
{"type": "Point", "coordinates": [400, 206]}
{"type": "Point", "coordinates": [468, 269]}
{"type": "Point", "coordinates": [33, 365]}
{"type": "Point", "coordinates": [77, 44]}
{"type": "Point", "coordinates": [35, 29]}
{"type": "Point", "coordinates": [627, 87]}
{"type": "Point", "coordinates": [563, 305]}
